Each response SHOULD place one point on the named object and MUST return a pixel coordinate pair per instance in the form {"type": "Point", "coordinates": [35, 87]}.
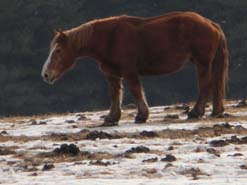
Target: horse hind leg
{"type": "Point", "coordinates": [135, 87]}
{"type": "Point", "coordinates": [204, 83]}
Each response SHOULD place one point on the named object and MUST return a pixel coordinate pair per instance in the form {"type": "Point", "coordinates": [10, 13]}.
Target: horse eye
{"type": "Point", "coordinates": [58, 50]}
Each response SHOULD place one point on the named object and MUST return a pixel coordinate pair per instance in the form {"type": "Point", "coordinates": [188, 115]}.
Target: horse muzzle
{"type": "Point", "coordinates": [49, 77]}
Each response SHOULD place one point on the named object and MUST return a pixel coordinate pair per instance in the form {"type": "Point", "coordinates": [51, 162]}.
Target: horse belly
{"type": "Point", "coordinates": [163, 65]}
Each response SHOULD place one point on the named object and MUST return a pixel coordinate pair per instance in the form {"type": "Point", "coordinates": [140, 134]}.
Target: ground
{"type": "Point", "coordinates": [73, 148]}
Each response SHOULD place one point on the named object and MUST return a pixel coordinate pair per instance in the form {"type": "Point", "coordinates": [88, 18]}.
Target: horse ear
{"type": "Point", "coordinates": [62, 37]}
{"type": "Point", "coordinates": [55, 31]}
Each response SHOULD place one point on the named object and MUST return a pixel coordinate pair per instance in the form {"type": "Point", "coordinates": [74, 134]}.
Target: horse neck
{"type": "Point", "coordinates": [92, 39]}
{"type": "Point", "coordinates": [79, 38]}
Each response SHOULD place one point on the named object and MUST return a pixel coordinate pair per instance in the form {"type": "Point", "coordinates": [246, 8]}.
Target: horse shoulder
{"type": "Point", "coordinates": [125, 39]}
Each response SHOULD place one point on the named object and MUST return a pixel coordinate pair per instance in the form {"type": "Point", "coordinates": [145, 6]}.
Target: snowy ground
{"type": "Point", "coordinates": [168, 149]}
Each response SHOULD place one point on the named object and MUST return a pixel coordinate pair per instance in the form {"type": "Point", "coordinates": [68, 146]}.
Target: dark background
{"type": "Point", "coordinates": [26, 28]}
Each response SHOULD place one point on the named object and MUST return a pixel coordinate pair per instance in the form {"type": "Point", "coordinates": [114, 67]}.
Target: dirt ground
{"type": "Point", "coordinates": [167, 145]}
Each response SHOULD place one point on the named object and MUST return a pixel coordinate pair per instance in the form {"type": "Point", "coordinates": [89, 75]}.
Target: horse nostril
{"type": "Point", "coordinates": [46, 75]}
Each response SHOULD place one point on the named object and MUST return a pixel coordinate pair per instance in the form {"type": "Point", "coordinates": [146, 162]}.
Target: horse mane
{"type": "Point", "coordinates": [80, 36]}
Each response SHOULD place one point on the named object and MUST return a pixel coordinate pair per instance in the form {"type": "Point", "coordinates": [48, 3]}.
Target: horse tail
{"type": "Point", "coordinates": [220, 68]}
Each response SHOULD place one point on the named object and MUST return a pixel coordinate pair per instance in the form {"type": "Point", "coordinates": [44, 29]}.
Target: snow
{"type": "Point", "coordinates": [191, 153]}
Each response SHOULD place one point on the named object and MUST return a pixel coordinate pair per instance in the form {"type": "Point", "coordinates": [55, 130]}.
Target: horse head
{"type": "Point", "coordinates": [60, 59]}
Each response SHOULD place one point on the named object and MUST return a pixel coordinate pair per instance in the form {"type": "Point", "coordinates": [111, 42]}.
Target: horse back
{"type": "Point", "coordinates": [159, 44]}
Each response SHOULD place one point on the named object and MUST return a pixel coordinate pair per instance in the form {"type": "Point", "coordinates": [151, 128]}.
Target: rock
{"type": "Point", "coordinates": [150, 170]}
{"type": "Point", "coordinates": [151, 160]}
{"type": "Point", "coordinates": [138, 149]}
{"type": "Point", "coordinates": [100, 163]}
{"type": "Point", "coordinates": [98, 135]}
{"type": "Point", "coordinates": [170, 148]}
{"type": "Point", "coordinates": [172, 116]}
{"type": "Point", "coordinates": [48, 167]}
{"type": "Point", "coordinates": [67, 149]}
{"type": "Point", "coordinates": [82, 117]}
{"type": "Point", "coordinates": [69, 121]}
{"type": "Point", "coordinates": [244, 167]}
{"type": "Point", "coordinates": [236, 155]}
{"type": "Point", "coordinates": [241, 104]}
{"type": "Point", "coordinates": [235, 139]}
{"type": "Point", "coordinates": [4, 132]}
{"type": "Point", "coordinates": [33, 122]}
{"type": "Point", "coordinates": [148, 134]}
{"type": "Point", "coordinates": [42, 123]}
{"type": "Point", "coordinates": [6, 151]}
{"type": "Point", "coordinates": [244, 140]}
{"type": "Point", "coordinates": [213, 151]}
{"type": "Point", "coordinates": [34, 174]}
{"type": "Point", "coordinates": [218, 143]}
{"type": "Point", "coordinates": [169, 158]}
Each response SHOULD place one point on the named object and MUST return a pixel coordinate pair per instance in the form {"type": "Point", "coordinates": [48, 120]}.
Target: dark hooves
{"type": "Point", "coordinates": [193, 115]}
{"type": "Point", "coordinates": [140, 119]}
{"type": "Point", "coordinates": [109, 121]}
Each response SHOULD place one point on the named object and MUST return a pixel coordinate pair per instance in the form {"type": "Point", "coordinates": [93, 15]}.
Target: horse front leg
{"type": "Point", "coordinates": [135, 87]}
{"type": "Point", "coordinates": [115, 88]}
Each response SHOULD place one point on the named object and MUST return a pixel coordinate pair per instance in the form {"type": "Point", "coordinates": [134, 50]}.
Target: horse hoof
{"type": "Point", "coordinates": [110, 121]}
{"type": "Point", "coordinates": [140, 120]}
{"type": "Point", "coordinates": [193, 115]}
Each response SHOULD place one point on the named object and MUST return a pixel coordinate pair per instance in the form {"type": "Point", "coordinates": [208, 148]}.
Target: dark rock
{"type": "Point", "coordinates": [138, 149]}
{"type": "Point", "coordinates": [172, 116]}
{"type": "Point", "coordinates": [218, 143]}
{"type": "Point", "coordinates": [42, 123]}
{"type": "Point", "coordinates": [67, 149]}
{"type": "Point", "coordinates": [235, 139]}
{"type": "Point", "coordinates": [237, 155]}
{"type": "Point", "coordinates": [170, 148]}
{"type": "Point", "coordinates": [82, 118]}
{"type": "Point", "coordinates": [100, 163]}
{"type": "Point", "coordinates": [4, 132]}
{"type": "Point", "coordinates": [241, 104]}
{"type": "Point", "coordinates": [244, 140]}
{"type": "Point", "coordinates": [96, 134]}
{"type": "Point", "coordinates": [244, 167]}
{"type": "Point", "coordinates": [150, 170]}
{"type": "Point", "coordinates": [48, 167]}
{"type": "Point", "coordinates": [69, 121]}
{"type": "Point", "coordinates": [6, 151]}
{"type": "Point", "coordinates": [168, 165]}
{"type": "Point", "coordinates": [169, 158]}
{"type": "Point", "coordinates": [148, 134]}
{"type": "Point", "coordinates": [223, 126]}
{"type": "Point", "coordinates": [151, 160]}
{"type": "Point", "coordinates": [33, 122]}
{"type": "Point", "coordinates": [194, 172]}
{"type": "Point", "coordinates": [213, 151]}
{"type": "Point", "coordinates": [34, 174]}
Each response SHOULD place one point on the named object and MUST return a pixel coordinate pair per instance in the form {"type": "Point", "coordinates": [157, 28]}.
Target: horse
{"type": "Point", "coordinates": [127, 47]}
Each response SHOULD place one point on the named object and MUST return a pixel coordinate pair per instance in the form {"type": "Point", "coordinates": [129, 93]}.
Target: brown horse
{"type": "Point", "coordinates": [126, 47]}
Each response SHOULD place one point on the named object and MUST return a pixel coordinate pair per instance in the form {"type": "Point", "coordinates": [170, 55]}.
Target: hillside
{"type": "Point", "coordinates": [27, 28]}
{"type": "Point", "coordinates": [73, 149]}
